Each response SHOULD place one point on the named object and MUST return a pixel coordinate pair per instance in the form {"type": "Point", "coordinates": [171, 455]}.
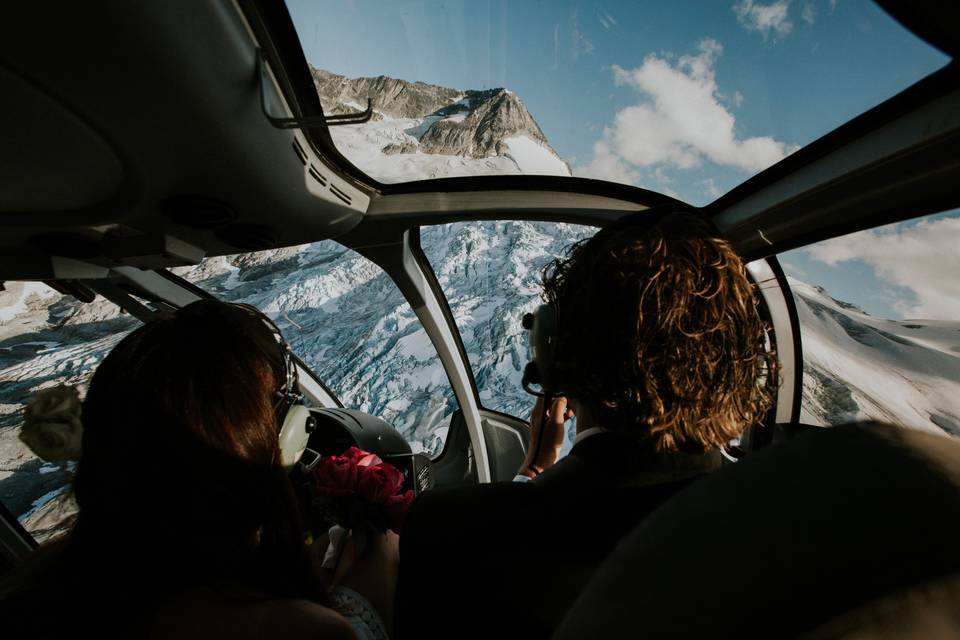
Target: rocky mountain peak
{"type": "Point", "coordinates": [391, 97]}
{"type": "Point", "coordinates": [491, 117]}
{"type": "Point", "coordinates": [471, 123]}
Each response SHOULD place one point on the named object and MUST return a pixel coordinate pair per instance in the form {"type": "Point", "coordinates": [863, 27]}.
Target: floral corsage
{"type": "Point", "coordinates": [358, 488]}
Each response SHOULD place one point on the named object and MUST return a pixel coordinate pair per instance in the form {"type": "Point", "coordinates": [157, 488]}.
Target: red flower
{"type": "Point", "coordinates": [362, 458]}
{"type": "Point", "coordinates": [378, 483]}
{"type": "Point", "coordinates": [360, 484]}
{"type": "Point", "coordinates": [336, 476]}
{"type": "Point", "coordinates": [395, 510]}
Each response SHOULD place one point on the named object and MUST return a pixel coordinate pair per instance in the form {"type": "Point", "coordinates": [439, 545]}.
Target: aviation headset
{"type": "Point", "coordinates": [295, 420]}
{"type": "Point", "coordinates": [544, 322]}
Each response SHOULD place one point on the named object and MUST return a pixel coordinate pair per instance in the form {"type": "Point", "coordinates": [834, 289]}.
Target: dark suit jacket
{"type": "Point", "coordinates": [507, 559]}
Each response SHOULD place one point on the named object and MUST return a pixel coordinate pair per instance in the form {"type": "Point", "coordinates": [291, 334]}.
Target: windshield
{"type": "Point", "coordinates": [685, 98]}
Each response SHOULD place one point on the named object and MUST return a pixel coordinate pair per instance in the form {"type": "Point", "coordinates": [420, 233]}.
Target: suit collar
{"type": "Point", "coordinates": [613, 459]}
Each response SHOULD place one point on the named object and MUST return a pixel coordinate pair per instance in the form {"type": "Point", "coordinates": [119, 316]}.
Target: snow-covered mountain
{"type": "Point", "coordinates": [348, 321]}
{"type": "Point", "coordinates": [857, 366]}
{"type": "Point", "coordinates": [426, 131]}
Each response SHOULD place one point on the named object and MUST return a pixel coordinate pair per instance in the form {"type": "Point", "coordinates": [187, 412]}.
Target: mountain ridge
{"type": "Point", "coordinates": [469, 123]}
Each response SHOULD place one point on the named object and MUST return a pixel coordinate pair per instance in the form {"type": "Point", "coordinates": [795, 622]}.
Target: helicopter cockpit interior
{"type": "Point", "coordinates": [393, 222]}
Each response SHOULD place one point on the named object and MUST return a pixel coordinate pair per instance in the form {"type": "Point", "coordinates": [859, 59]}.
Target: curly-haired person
{"type": "Point", "coordinates": [659, 345]}
{"type": "Point", "coordinates": [661, 354]}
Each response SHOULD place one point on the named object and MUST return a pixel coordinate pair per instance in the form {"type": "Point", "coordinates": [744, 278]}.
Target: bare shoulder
{"type": "Point", "coordinates": [305, 619]}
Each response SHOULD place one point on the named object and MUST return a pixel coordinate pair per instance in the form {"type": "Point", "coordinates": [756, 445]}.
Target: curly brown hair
{"type": "Point", "coordinates": [660, 334]}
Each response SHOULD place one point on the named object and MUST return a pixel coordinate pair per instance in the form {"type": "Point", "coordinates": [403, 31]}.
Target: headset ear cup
{"type": "Point", "coordinates": [294, 434]}
{"type": "Point", "coordinates": [544, 341]}
{"type": "Point", "coordinates": [543, 327]}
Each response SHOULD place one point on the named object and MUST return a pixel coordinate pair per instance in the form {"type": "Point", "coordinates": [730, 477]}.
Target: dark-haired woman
{"type": "Point", "coordinates": [188, 523]}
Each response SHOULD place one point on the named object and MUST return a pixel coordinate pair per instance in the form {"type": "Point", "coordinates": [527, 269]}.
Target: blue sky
{"type": "Point", "coordinates": [778, 74]}
{"type": "Point", "coordinates": [687, 98]}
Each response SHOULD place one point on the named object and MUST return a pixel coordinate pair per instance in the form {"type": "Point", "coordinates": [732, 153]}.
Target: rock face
{"type": "Point", "coordinates": [391, 97]}
{"type": "Point", "coordinates": [399, 147]}
{"type": "Point", "coordinates": [471, 124]}
{"type": "Point", "coordinates": [491, 117]}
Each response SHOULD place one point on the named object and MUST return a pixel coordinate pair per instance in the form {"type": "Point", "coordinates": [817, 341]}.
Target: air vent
{"type": "Point", "coordinates": [249, 237]}
{"type": "Point", "coordinates": [340, 194]}
{"type": "Point", "coordinates": [197, 212]}
{"type": "Point", "coordinates": [299, 151]}
{"type": "Point", "coordinates": [316, 176]}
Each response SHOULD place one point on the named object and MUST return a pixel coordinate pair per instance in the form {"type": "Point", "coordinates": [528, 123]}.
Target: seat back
{"type": "Point", "coordinates": [784, 540]}
{"type": "Point", "coordinates": [506, 560]}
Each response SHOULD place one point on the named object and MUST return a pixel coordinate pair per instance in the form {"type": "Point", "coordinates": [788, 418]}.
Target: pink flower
{"type": "Point", "coordinates": [395, 510]}
{"type": "Point", "coordinates": [359, 482]}
{"type": "Point", "coordinates": [378, 483]}
{"type": "Point", "coordinates": [362, 458]}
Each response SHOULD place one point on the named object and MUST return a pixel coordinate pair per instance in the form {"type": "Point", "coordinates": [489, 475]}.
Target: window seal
{"type": "Point", "coordinates": [16, 543]}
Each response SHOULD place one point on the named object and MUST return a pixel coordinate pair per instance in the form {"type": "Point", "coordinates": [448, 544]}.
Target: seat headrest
{"type": "Point", "coordinates": [784, 540]}
{"type": "Point", "coordinates": [928, 611]}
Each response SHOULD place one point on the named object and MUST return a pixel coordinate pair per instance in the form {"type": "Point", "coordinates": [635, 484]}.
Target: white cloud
{"type": "Point", "coordinates": [679, 121]}
{"type": "Point", "coordinates": [607, 20]}
{"type": "Point", "coordinates": [765, 18]}
{"type": "Point", "coordinates": [579, 45]}
{"type": "Point", "coordinates": [606, 165]}
{"type": "Point", "coordinates": [556, 46]}
{"type": "Point", "coordinates": [712, 189]}
{"type": "Point", "coordinates": [809, 13]}
{"type": "Point", "coordinates": [792, 270]}
{"type": "Point", "coordinates": [667, 191]}
{"type": "Point", "coordinates": [922, 257]}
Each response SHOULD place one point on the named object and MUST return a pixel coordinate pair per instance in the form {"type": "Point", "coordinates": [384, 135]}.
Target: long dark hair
{"type": "Point", "coordinates": [180, 483]}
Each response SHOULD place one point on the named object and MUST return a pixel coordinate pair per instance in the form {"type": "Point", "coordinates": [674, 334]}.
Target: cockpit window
{"type": "Point", "coordinates": [490, 274]}
{"type": "Point", "coordinates": [879, 316]}
{"type": "Point", "coordinates": [685, 98]}
{"type": "Point", "coordinates": [348, 322]}
{"type": "Point", "coordinates": [46, 339]}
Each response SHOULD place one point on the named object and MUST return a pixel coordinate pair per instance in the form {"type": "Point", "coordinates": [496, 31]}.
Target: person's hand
{"type": "Point", "coordinates": [316, 552]}
{"type": "Point", "coordinates": [369, 565]}
{"type": "Point", "coordinates": [546, 436]}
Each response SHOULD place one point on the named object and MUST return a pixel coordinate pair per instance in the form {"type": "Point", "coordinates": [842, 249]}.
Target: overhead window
{"type": "Point", "coordinates": [346, 319]}
{"type": "Point", "coordinates": [879, 321]}
{"type": "Point", "coordinates": [46, 339]}
{"type": "Point", "coordinates": [686, 98]}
